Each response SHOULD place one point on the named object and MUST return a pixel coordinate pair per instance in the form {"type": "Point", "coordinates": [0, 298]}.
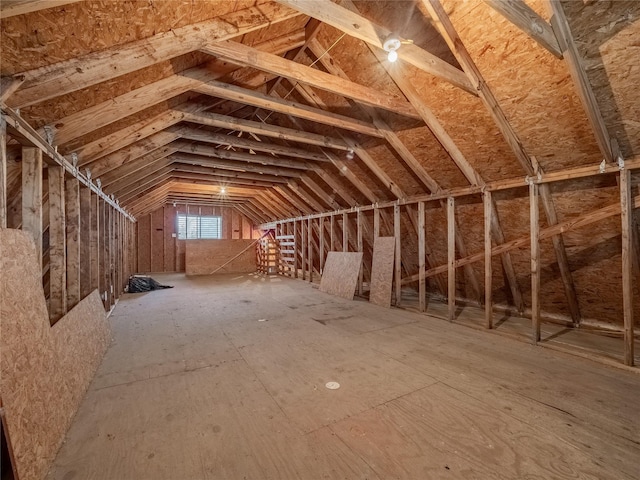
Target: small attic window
{"type": "Point", "coordinates": [199, 226]}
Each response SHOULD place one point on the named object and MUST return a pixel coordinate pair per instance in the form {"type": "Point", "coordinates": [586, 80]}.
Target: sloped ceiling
{"type": "Point", "coordinates": [169, 100]}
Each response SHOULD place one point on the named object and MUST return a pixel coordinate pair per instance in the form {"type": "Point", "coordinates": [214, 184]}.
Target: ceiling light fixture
{"type": "Point", "coordinates": [391, 45]}
{"type": "Point", "coordinates": [223, 190]}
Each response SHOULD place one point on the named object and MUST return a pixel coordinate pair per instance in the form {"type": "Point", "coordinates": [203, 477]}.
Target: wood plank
{"type": "Point", "coordinates": [95, 242]}
{"type": "Point", "coordinates": [274, 131]}
{"type": "Point", "coordinates": [11, 8]}
{"type": "Point", "coordinates": [359, 240]}
{"type": "Point", "coordinates": [340, 275]}
{"type": "Point", "coordinates": [581, 80]}
{"type": "Point", "coordinates": [242, 142]}
{"type": "Point", "coordinates": [81, 72]}
{"type": "Point", "coordinates": [241, 54]}
{"type": "Point", "coordinates": [57, 245]}
{"type": "Point", "coordinates": [288, 107]}
{"type": "Point", "coordinates": [382, 268]}
{"type": "Point", "coordinates": [3, 172]}
{"type": "Point", "coordinates": [626, 210]}
{"type": "Point", "coordinates": [85, 242]}
{"type": "Point", "coordinates": [488, 267]}
{"type": "Point", "coordinates": [221, 153]}
{"type": "Point", "coordinates": [310, 249]}
{"type": "Point", "coordinates": [451, 259]}
{"type": "Point", "coordinates": [32, 196]}
{"type": "Point", "coordinates": [422, 284]}
{"type": "Point", "coordinates": [8, 85]}
{"type": "Point", "coordinates": [72, 219]}
{"type": "Point", "coordinates": [535, 262]}
{"type": "Point", "coordinates": [397, 273]}
{"type": "Point", "coordinates": [359, 27]}
{"type": "Point", "coordinates": [345, 232]}
{"type": "Point", "coordinates": [527, 20]}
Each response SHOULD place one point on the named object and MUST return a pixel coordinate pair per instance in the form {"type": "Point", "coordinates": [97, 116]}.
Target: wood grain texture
{"type": "Point", "coordinates": [340, 275]}
{"type": "Point", "coordinates": [45, 370]}
{"type": "Point", "coordinates": [382, 271]}
{"type": "Point", "coordinates": [203, 257]}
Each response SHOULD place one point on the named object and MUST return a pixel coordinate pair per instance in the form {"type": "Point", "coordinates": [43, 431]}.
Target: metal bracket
{"type": "Point", "coordinates": [48, 133]}
{"type": "Point", "coordinates": [603, 166]}
{"type": "Point", "coordinates": [620, 162]}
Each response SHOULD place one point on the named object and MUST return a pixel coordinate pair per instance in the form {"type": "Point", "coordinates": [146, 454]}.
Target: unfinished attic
{"type": "Point", "coordinates": [403, 239]}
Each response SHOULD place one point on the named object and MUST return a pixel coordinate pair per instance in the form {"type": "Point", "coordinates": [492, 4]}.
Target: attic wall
{"type": "Point", "coordinates": [45, 370]}
{"type": "Point", "coordinates": [158, 250]}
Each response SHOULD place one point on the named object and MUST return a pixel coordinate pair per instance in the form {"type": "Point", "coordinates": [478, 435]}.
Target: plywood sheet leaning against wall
{"type": "Point", "coordinates": [340, 274]}
{"type": "Point", "coordinates": [45, 370]}
{"type": "Point", "coordinates": [204, 257]}
{"type": "Point", "coordinates": [382, 271]}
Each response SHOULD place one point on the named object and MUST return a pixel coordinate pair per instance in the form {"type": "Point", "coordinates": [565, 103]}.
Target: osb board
{"type": "Point", "coordinates": [607, 35]}
{"type": "Point", "coordinates": [41, 38]}
{"type": "Point", "coordinates": [532, 86]}
{"type": "Point", "coordinates": [382, 271]}
{"type": "Point", "coordinates": [340, 274]}
{"type": "Point", "coordinates": [203, 257]}
{"type": "Point", "coordinates": [45, 370]}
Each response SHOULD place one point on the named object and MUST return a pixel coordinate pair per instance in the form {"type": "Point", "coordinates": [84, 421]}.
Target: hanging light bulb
{"type": "Point", "coordinates": [393, 56]}
{"type": "Point", "coordinates": [350, 154]}
{"type": "Point", "coordinates": [223, 190]}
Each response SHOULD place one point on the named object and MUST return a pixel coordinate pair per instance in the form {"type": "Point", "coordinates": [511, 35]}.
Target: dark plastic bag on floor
{"type": "Point", "coordinates": [139, 283]}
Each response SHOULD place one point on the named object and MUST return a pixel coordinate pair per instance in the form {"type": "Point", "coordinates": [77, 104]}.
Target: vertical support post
{"type": "Point", "coordinates": [110, 256]}
{"type": "Point", "coordinates": [345, 232]}
{"type": "Point", "coordinates": [116, 254]}
{"type": "Point", "coordinates": [488, 267]}
{"type": "Point", "coordinates": [72, 208]}
{"type": "Point", "coordinates": [535, 262]}
{"type": "Point", "coordinates": [321, 242]}
{"type": "Point", "coordinates": [32, 196]}
{"type": "Point", "coordinates": [626, 207]}
{"type": "Point", "coordinates": [398, 258]}
{"type": "Point", "coordinates": [3, 172]}
{"type": "Point", "coordinates": [85, 241]}
{"type": "Point", "coordinates": [57, 250]}
{"type": "Point", "coordinates": [451, 258]}
{"type": "Point", "coordinates": [332, 229]}
{"type": "Point", "coordinates": [95, 243]}
{"type": "Point", "coordinates": [360, 249]}
{"type": "Point", "coordinates": [296, 245]}
{"type": "Point", "coordinates": [376, 222]}
{"type": "Point", "coordinates": [310, 248]}
{"type": "Point", "coordinates": [303, 248]}
{"type": "Point", "coordinates": [104, 253]}
{"type": "Point", "coordinates": [422, 283]}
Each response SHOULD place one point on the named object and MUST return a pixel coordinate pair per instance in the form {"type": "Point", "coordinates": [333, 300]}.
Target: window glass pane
{"type": "Point", "coordinates": [182, 227]}
{"type": "Point", "coordinates": [194, 226]}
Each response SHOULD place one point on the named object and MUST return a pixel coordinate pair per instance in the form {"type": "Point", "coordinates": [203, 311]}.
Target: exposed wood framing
{"type": "Point", "coordinates": [247, 56]}
{"type": "Point", "coordinates": [422, 283]}
{"type": "Point", "coordinates": [581, 81]}
{"type": "Point", "coordinates": [355, 25]}
{"type": "Point", "coordinates": [451, 259]}
{"type": "Point", "coordinates": [527, 20]}
{"type": "Point", "coordinates": [449, 33]}
{"type": "Point", "coordinates": [85, 241]}
{"type": "Point", "coordinates": [81, 72]}
{"type": "Point", "coordinates": [72, 220]}
{"type": "Point", "coordinates": [32, 195]}
{"type": "Point", "coordinates": [397, 273]}
{"type": "Point", "coordinates": [3, 173]}
{"type": "Point", "coordinates": [535, 261]}
{"type": "Point", "coordinates": [626, 209]}
{"type": "Point", "coordinates": [10, 8]}
{"type": "Point", "coordinates": [488, 267]}
{"type": "Point", "coordinates": [57, 244]}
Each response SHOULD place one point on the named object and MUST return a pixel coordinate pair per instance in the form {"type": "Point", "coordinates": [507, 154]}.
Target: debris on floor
{"type": "Point", "coordinates": [143, 283]}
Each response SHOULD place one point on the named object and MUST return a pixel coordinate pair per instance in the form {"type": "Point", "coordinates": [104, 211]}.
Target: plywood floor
{"type": "Point", "coordinates": [224, 378]}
